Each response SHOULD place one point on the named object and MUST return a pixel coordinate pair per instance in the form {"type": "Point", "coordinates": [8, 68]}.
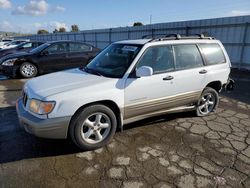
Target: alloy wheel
{"type": "Point", "coordinates": [95, 128]}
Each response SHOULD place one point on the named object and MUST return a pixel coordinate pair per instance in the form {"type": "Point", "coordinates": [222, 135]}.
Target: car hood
{"type": "Point", "coordinates": [54, 83]}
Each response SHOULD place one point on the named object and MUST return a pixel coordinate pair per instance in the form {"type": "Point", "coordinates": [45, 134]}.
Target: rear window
{"type": "Point", "coordinates": [213, 53]}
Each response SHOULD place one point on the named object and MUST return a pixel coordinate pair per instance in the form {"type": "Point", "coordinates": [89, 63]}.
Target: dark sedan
{"type": "Point", "coordinates": [49, 57]}
{"type": "Point", "coordinates": [23, 47]}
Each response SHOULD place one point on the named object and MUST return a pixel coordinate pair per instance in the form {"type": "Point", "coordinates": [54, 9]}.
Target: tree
{"type": "Point", "coordinates": [62, 29]}
{"type": "Point", "coordinates": [205, 33]}
{"type": "Point", "coordinates": [42, 31]}
{"type": "Point", "coordinates": [74, 28]}
{"type": "Point", "coordinates": [138, 24]}
{"type": "Point", "coordinates": [55, 31]}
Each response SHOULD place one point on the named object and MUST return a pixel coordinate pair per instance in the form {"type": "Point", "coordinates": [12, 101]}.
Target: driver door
{"type": "Point", "coordinates": [54, 58]}
{"type": "Point", "coordinates": [147, 95]}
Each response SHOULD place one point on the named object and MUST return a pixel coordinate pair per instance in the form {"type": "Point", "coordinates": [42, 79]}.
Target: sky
{"type": "Point", "coordinates": [27, 16]}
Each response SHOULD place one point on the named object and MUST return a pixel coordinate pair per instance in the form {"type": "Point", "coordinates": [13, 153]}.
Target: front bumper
{"type": "Point", "coordinates": [8, 70]}
{"type": "Point", "coordinates": [55, 128]}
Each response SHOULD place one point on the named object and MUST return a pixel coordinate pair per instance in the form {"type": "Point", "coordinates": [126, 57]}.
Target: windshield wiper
{"type": "Point", "coordinates": [92, 71]}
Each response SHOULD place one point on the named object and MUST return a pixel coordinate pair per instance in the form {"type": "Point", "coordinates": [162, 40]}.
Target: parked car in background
{"type": "Point", "coordinates": [4, 42]}
{"type": "Point", "coordinates": [49, 57]}
{"type": "Point", "coordinates": [23, 47]}
{"type": "Point", "coordinates": [13, 44]}
{"type": "Point", "coordinates": [128, 81]}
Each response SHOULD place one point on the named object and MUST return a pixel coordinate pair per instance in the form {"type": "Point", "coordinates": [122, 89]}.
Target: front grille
{"type": "Point", "coordinates": [25, 99]}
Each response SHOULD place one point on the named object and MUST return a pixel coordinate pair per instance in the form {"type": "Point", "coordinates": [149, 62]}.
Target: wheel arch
{"type": "Point", "coordinates": [109, 103]}
{"type": "Point", "coordinates": [216, 85]}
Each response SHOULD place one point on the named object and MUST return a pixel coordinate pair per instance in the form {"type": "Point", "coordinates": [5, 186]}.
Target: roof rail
{"type": "Point", "coordinates": [153, 35]}
{"type": "Point", "coordinates": [180, 37]}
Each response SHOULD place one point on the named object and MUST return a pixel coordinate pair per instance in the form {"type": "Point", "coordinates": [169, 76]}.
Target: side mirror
{"type": "Point", "coordinates": [45, 53]}
{"type": "Point", "coordinates": [144, 71]}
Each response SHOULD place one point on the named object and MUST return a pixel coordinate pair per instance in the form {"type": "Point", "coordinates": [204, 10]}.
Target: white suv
{"type": "Point", "coordinates": [128, 81]}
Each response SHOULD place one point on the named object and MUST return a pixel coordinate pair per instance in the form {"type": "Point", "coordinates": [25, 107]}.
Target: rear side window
{"type": "Point", "coordinates": [187, 56]}
{"type": "Point", "coordinates": [57, 48]}
{"type": "Point", "coordinates": [213, 53]}
{"type": "Point", "coordinates": [78, 47]}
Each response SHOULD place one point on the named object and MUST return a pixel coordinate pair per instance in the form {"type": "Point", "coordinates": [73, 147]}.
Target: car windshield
{"type": "Point", "coordinates": [114, 60]}
{"type": "Point", "coordinates": [40, 48]}
{"type": "Point", "coordinates": [21, 45]}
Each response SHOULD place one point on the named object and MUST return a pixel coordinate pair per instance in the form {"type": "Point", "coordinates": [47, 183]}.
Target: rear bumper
{"type": "Point", "coordinates": [229, 86]}
{"type": "Point", "coordinates": [55, 128]}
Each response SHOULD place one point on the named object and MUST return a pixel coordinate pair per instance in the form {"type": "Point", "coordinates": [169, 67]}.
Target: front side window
{"type": "Point", "coordinates": [36, 44]}
{"type": "Point", "coordinates": [78, 47]}
{"type": "Point", "coordinates": [114, 60]}
{"type": "Point", "coordinates": [57, 48]}
{"type": "Point", "coordinates": [213, 53]}
{"type": "Point", "coordinates": [40, 48]}
{"type": "Point", "coordinates": [187, 56]}
{"type": "Point", "coordinates": [159, 58]}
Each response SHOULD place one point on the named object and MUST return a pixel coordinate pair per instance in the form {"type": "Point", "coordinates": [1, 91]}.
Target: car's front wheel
{"type": "Point", "coordinates": [93, 127]}
{"type": "Point", "coordinates": [28, 70]}
{"type": "Point", "coordinates": [208, 102]}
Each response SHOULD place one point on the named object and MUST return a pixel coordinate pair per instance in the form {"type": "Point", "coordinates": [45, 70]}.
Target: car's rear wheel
{"type": "Point", "coordinates": [208, 102]}
{"type": "Point", "coordinates": [93, 127]}
{"type": "Point", "coordinates": [28, 70]}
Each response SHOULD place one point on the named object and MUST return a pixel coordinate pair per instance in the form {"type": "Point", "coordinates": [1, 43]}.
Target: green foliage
{"type": "Point", "coordinates": [74, 28]}
{"type": "Point", "coordinates": [55, 31]}
{"type": "Point", "coordinates": [138, 24]}
{"type": "Point", "coordinates": [42, 31]}
{"type": "Point", "coordinates": [62, 30]}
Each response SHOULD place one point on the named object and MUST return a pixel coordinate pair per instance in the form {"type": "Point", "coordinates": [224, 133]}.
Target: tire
{"type": "Point", "coordinates": [93, 127]}
{"type": "Point", "coordinates": [28, 70]}
{"type": "Point", "coordinates": [207, 102]}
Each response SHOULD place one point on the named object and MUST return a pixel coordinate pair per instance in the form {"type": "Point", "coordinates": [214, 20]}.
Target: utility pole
{"type": "Point", "coordinates": [150, 19]}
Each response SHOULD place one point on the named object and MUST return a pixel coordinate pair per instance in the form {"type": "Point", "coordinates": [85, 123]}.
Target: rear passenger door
{"type": "Point", "coordinates": [79, 54]}
{"type": "Point", "coordinates": [189, 75]}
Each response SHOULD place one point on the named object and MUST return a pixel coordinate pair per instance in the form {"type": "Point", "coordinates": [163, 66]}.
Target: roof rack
{"type": "Point", "coordinates": [150, 36]}
{"type": "Point", "coordinates": [180, 37]}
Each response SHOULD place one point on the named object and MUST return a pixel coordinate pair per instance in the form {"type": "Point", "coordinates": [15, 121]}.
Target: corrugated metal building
{"type": "Point", "coordinates": [234, 32]}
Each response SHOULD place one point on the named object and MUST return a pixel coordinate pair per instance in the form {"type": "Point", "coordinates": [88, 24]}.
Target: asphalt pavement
{"type": "Point", "coordinates": [177, 150]}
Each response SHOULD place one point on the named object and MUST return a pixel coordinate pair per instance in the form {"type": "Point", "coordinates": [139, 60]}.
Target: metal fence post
{"type": "Point", "coordinates": [95, 40]}
{"type": "Point", "coordinates": [110, 30]}
{"type": "Point", "coordinates": [187, 30]}
{"type": "Point", "coordinates": [84, 40]}
{"type": "Point", "coordinates": [129, 33]}
{"type": "Point", "coordinates": [152, 32]}
{"type": "Point", "coordinates": [243, 44]}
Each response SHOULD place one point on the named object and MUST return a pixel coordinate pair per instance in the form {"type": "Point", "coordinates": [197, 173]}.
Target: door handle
{"type": "Point", "coordinates": [203, 71]}
{"type": "Point", "coordinates": [168, 78]}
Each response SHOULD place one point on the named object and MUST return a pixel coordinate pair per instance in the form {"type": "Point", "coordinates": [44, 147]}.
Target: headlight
{"type": "Point", "coordinates": [41, 107]}
{"type": "Point", "coordinates": [9, 62]}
